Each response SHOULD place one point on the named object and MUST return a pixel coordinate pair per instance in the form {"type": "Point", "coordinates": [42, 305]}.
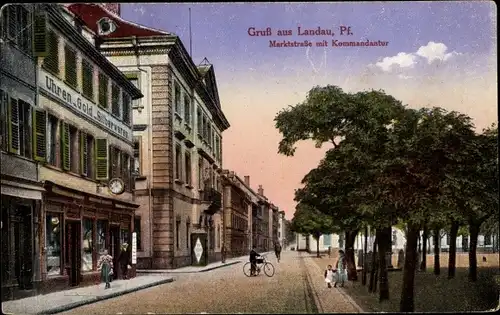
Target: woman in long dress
{"type": "Point", "coordinates": [104, 264]}
{"type": "Point", "coordinates": [341, 270]}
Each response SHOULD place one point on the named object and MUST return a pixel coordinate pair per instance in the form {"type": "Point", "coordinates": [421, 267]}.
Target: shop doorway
{"type": "Point", "coordinates": [114, 250]}
{"type": "Point", "coordinates": [73, 251]}
{"type": "Point", "coordinates": [21, 235]}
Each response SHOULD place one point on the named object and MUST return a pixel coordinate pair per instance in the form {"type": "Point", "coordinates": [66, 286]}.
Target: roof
{"type": "Point", "coordinates": [90, 13]}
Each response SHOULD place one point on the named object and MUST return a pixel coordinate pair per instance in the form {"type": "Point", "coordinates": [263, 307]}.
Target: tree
{"type": "Point", "coordinates": [309, 221]}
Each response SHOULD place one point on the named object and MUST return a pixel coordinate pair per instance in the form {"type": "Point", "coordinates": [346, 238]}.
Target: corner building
{"type": "Point", "coordinates": [83, 138]}
{"type": "Point", "coordinates": [178, 128]}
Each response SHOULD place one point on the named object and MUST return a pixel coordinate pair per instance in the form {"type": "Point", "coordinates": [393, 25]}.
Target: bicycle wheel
{"type": "Point", "coordinates": [247, 269]}
{"type": "Point", "coordinates": [268, 269]}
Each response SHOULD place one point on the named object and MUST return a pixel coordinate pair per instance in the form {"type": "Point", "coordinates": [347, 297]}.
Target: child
{"type": "Point", "coordinates": [329, 274]}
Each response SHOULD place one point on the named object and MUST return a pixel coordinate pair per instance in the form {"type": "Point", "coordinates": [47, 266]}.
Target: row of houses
{"type": "Point", "coordinates": [111, 134]}
{"type": "Point", "coordinates": [486, 243]}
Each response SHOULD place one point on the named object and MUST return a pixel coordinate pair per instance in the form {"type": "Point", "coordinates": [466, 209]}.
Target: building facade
{"type": "Point", "coordinates": [274, 224]}
{"type": "Point", "coordinates": [281, 228]}
{"type": "Point", "coordinates": [21, 191]}
{"type": "Point", "coordinates": [178, 129]}
{"type": "Point", "coordinates": [83, 139]}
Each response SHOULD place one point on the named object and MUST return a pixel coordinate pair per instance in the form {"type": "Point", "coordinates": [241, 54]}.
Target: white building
{"type": "Point", "coordinates": [281, 228]}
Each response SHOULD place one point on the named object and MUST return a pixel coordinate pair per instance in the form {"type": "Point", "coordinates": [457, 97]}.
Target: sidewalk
{"type": "Point", "coordinates": [195, 269]}
{"type": "Point", "coordinates": [334, 300]}
{"type": "Point", "coordinates": [68, 299]}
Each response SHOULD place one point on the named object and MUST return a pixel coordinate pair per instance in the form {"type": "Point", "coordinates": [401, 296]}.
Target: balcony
{"type": "Point", "coordinates": [212, 199]}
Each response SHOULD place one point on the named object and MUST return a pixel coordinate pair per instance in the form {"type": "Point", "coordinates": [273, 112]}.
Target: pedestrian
{"type": "Point", "coordinates": [277, 250]}
{"type": "Point", "coordinates": [124, 260]}
{"type": "Point", "coordinates": [341, 270]}
{"type": "Point", "coordinates": [329, 275]}
{"type": "Point", "coordinates": [223, 254]}
{"type": "Point", "coordinates": [104, 265]}
{"type": "Point", "coordinates": [329, 252]}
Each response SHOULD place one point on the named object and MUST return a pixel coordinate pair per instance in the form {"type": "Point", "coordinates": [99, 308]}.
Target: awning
{"type": "Point", "coordinates": [20, 190]}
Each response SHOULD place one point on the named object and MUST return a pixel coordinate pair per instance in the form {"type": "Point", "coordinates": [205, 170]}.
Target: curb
{"type": "Point", "coordinates": [70, 306]}
{"type": "Point", "coordinates": [173, 271]}
{"type": "Point", "coordinates": [220, 266]}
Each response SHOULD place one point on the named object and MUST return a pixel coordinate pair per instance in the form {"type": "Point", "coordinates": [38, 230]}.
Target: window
{"type": "Point", "coordinates": [101, 156]}
{"type": "Point", "coordinates": [199, 121]}
{"type": "Point", "coordinates": [86, 155]}
{"type": "Point", "coordinates": [137, 229]}
{"type": "Point", "coordinates": [178, 233]}
{"type": "Point", "coordinates": [137, 156]}
{"type": "Point", "coordinates": [187, 110]}
{"type": "Point", "coordinates": [217, 147]}
{"type": "Point", "coordinates": [135, 81]}
{"type": "Point", "coordinates": [103, 90]}
{"type": "Point", "coordinates": [16, 26]}
{"type": "Point", "coordinates": [327, 239]}
{"type": "Point", "coordinates": [87, 245]}
{"type": "Point", "coordinates": [52, 139]}
{"type": "Point", "coordinates": [126, 101]}
{"type": "Point", "coordinates": [209, 135]}
{"type": "Point", "coordinates": [87, 79]}
{"type": "Point", "coordinates": [3, 119]}
{"type": "Point", "coordinates": [114, 165]}
{"type": "Point", "coordinates": [74, 150]}
{"type": "Point", "coordinates": [187, 234]}
{"type": "Point", "coordinates": [200, 173]}
{"type": "Point", "coordinates": [102, 229]}
{"type": "Point", "coordinates": [125, 170]}
{"type": "Point", "coordinates": [177, 98]}
{"type": "Point", "coordinates": [205, 127]}
{"type": "Point", "coordinates": [20, 118]}
{"type": "Point", "coordinates": [115, 100]}
{"type": "Point", "coordinates": [70, 66]}
{"type": "Point", "coordinates": [178, 162]}
{"type": "Point", "coordinates": [51, 62]}
{"type": "Point", "coordinates": [53, 244]}
{"type": "Point", "coordinates": [187, 160]}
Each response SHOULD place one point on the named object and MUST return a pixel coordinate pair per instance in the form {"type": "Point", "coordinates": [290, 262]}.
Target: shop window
{"type": "Point", "coordinates": [16, 26]}
{"type": "Point", "coordinates": [51, 61]}
{"type": "Point", "coordinates": [53, 244]}
{"type": "Point", "coordinates": [187, 159]}
{"type": "Point", "coordinates": [87, 79]}
{"type": "Point", "coordinates": [137, 229]}
{"type": "Point", "coordinates": [199, 121]}
{"type": "Point", "coordinates": [126, 103]}
{"type": "Point", "coordinates": [137, 169]}
{"type": "Point", "coordinates": [187, 110]}
{"type": "Point", "coordinates": [87, 245]}
{"type": "Point", "coordinates": [187, 234]}
{"type": "Point", "coordinates": [178, 162]}
{"type": "Point", "coordinates": [177, 98]}
{"type": "Point", "coordinates": [3, 120]}
{"type": "Point", "coordinates": [70, 66]}
{"type": "Point", "coordinates": [103, 90]}
{"type": "Point", "coordinates": [52, 139]}
{"type": "Point", "coordinates": [102, 230]}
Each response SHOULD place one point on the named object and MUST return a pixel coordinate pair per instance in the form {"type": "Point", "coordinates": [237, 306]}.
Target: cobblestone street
{"type": "Point", "coordinates": [225, 290]}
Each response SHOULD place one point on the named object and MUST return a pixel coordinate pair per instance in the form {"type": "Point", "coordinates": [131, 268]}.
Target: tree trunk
{"type": "Point", "coordinates": [474, 232]}
{"type": "Point", "coordinates": [452, 258]}
{"type": "Point", "coordinates": [437, 239]}
{"type": "Point", "coordinates": [406, 303]}
{"type": "Point", "coordinates": [317, 248]}
{"type": "Point", "coordinates": [365, 264]}
{"type": "Point", "coordinates": [350, 237]}
{"type": "Point", "coordinates": [384, 238]}
{"type": "Point", "coordinates": [371, 286]}
{"type": "Point", "coordinates": [425, 236]}
{"type": "Point", "coordinates": [376, 275]}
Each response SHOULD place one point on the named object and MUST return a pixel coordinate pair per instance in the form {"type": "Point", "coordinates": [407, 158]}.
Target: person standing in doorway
{"type": "Point", "coordinates": [104, 265]}
{"type": "Point", "coordinates": [341, 270]}
{"type": "Point", "coordinates": [124, 260]}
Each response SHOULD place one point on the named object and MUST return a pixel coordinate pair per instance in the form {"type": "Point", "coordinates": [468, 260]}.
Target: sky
{"type": "Point", "coordinates": [438, 54]}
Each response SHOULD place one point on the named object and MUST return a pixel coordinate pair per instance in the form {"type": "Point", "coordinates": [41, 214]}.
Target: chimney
{"type": "Point", "coordinates": [261, 190]}
{"type": "Point", "coordinates": [113, 7]}
{"type": "Point", "coordinates": [247, 181]}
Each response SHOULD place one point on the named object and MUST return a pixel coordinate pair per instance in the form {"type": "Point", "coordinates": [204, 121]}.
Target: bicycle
{"type": "Point", "coordinates": [261, 263]}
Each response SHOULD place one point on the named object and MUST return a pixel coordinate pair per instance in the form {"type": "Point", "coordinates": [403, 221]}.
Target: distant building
{"type": "Point", "coordinates": [281, 228]}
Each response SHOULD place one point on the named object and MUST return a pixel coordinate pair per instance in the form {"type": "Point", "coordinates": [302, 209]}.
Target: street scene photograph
{"type": "Point", "coordinates": [245, 158]}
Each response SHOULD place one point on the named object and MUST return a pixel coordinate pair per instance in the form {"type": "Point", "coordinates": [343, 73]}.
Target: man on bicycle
{"type": "Point", "coordinates": [277, 250]}
{"type": "Point", "coordinates": [253, 260]}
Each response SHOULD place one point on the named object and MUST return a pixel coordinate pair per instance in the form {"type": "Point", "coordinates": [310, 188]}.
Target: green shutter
{"type": "Point", "coordinates": [40, 41]}
{"type": "Point", "coordinates": [13, 125]}
{"type": "Point", "coordinates": [65, 146]}
{"type": "Point", "coordinates": [40, 135]}
{"type": "Point", "coordinates": [83, 154]}
{"type": "Point", "coordinates": [101, 159]}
